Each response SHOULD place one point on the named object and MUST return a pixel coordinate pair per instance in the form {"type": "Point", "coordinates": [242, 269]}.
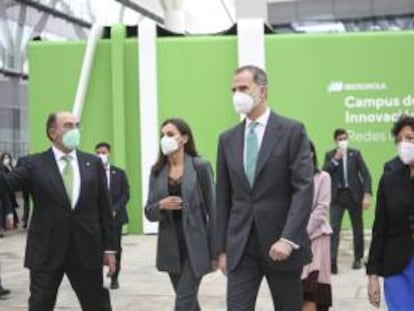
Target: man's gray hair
{"type": "Point", "coordinates": [259, 75]}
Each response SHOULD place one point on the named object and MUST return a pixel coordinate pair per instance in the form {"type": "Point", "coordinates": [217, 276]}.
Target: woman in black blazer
{"type": "Point", "coordinates": [6, 166]}
{"type": "Point", "coordinates": [181, 198]}
{"type": "Point", "coordinates": [391, 253]}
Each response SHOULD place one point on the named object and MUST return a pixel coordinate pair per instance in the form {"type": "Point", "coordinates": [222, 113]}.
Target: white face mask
{"type": "Point", "coordinates": [168, 145]}
{"type": "Point", "coordinates": [6, 161]}
{"type": "Point", "coordinates": [406, 152]}
{"type": "Point", "coordinates": [343, 144]}
{"type": "Point", "coordinates": [104, 158]}
{"type": "Point", "coordinates": [243, 103]}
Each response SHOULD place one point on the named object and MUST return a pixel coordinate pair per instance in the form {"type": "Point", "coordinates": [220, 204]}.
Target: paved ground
{"type": "Point", "coordinates": [144, 288]}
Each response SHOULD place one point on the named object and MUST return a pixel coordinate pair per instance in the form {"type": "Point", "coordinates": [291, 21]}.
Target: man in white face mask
{"type": "Point", "coordinates": [71, 231]}
{"type": "Point", "coordinates": [351, 191]}
{"type": "Point", "coordinates": [264, 197]}
{"type": "Point", "coordinates": [118, 186]}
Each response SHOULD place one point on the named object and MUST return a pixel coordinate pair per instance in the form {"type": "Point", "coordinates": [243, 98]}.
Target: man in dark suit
{"type": "Point", "coordinates": [264, 198]}
{"type": "Point", "coordinates": [72, 230]}
{"type": "Point", "coordinates": [119, 190]}
{"type": "Point", "coordinates": [26, 197]}
{"type": "Point", "coordinates": [351, 190]}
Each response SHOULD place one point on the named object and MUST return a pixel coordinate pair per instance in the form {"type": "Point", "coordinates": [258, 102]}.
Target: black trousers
{"type": "Point", "coordinates": [244, 282]}
{"type": "Point", "coordinates": [186, 286]}
{"type": "Point", "coordinates": [118, 245]}
{"type": "Point", "coordinates": [345, 201]}
{"type": "Point", "coordinates": [87, 284]}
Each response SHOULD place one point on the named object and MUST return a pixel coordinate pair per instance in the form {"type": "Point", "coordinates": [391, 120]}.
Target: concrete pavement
{"type": "Point", "coordinates": [144, 288]}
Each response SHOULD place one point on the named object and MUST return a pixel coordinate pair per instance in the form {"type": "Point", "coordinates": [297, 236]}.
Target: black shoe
{"type": "Point", "coordinates": [114, 284]}
{"type": "Point", "coordinates": [334, 269]}
{"type": "Point", "coordinates": [357, 264]}
{"type": "Point", "coordinates": [4, 292]}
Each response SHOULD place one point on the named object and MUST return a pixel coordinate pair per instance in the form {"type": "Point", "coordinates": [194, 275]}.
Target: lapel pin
{"type": "Point", "coordinates": [88, 163]}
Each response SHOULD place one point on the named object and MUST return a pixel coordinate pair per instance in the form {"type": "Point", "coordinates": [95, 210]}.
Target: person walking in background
{"type": "Point", "coordinates": [316, 277]}
{"type": "Point", "coordinates": [119, 189]}
{"type": "Point", "coordinates": [6, 166]}
{"type": "Point", "coordinates": [264, 199]}
{"type": "Point", "coordinates": [351, 191]}
{"type": "Point", "coordinates": [182, 199]}
{"type": "Point", "coordinates": [26, 196]}
{"type": "Point", "coordinates": [71, 232]}
{"type": "Point", "coordinates": [391, 254]}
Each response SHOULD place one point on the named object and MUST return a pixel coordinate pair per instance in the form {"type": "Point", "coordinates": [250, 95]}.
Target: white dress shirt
{"type": "Point", "coordinates": [76, 173]}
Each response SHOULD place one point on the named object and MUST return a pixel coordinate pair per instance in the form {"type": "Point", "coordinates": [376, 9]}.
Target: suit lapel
{"type": "Point", "coordinates": [238, 152]}
{"type": "Point", "coordinates": [84, 170]}
{"type": "Point", "coordinates": [189, 180]}
{"type": "Point", "coordinates": [56, 176]}
{"type": "Point", "coordinates": [270, 138]}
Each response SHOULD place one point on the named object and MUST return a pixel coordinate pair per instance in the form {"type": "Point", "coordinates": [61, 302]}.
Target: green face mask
{"type": "Point", "coordinates": [71, 139]}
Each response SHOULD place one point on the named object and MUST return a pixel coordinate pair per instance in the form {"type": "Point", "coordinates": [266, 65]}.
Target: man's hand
{"type": "Point", "coordinates": [339, 154]}
{"type": "Point", "coordinates": [374, 290]}
{"type": "Point", "coordinates": [171, 203]}
{"type": "Point", "coordinates": [366, 201]}
{"type": "Point", "coordinates": [222, 263]}
{"type": "Point", "coordinates": [280, 250]}
{"type": "Point", "coordinates": [110, 261]}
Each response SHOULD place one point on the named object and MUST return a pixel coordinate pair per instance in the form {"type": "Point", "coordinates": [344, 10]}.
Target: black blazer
{"type": "Point", "coordinates": [393, 164]}
{"type": "Point", "coordinates": [54, 223]}
{"type": "Point", "coordinates": [280, 201]}
{"type": "Point", "coordinates": [392, 244]}
{"type": "Point", "coordinates": [197, 192]}
{"type": "Point", "coordinates": [119, 189]}
{"type": "Point", "coordinates": [359, 178]}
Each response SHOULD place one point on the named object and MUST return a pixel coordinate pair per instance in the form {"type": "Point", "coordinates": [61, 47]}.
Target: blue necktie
{"type": "Point", "coordinates": [252, 150]}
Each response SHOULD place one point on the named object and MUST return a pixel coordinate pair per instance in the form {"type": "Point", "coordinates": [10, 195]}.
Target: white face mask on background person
{"type": "Point", "coordinates": [343, 144]}
{"type": "Point", "coordinates": [243, 103]}
{"type": "Point", "coordinates": [104, 158]}
{"type": "Point", "coordinates": [168, 145]}
{"type": "Point", "coordinates": [406, 152]}
{"type": "Point", "coordinates": [6, 161]}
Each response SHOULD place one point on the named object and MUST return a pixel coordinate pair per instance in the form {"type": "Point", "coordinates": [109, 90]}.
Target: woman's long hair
{"type": "Point", "coordinates": [189, 147]}
{"type": "Point", "coordinates": [314, 158]}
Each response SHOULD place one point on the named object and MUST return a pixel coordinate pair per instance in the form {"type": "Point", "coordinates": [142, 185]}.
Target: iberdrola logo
{"type": "Point", "coordinates": [335, 86]}
{"type": "Point", "coordinates": [340, 86]}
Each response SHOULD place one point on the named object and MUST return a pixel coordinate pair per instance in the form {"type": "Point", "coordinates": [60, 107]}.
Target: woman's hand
{"type": "Point", "coordinates": [171, 203]}
{"type": "Point", "coordinates": [374, 290]}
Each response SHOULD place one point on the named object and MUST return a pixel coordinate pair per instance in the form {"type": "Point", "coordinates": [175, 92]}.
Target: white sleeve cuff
{"type": "Point", "coordinates": [294, 245]}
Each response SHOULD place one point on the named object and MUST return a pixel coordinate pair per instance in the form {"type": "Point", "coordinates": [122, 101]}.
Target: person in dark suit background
{"type": "Point", "coordinates": [26, 197]}
{"type": "Point", "coordinates": [119, 190]}
{"type": "Point", "coordinates": [7, 216]}
{"type": "Point", "coordinates": [71, 231]}
{"type": "Point", "coordinates": [391, 254]}
{"type": "Point", "coordinates": [182, 199]}
{"type": "Point", "coordinates": [264, 199]}
{"type": "Point", "coordinates": [6, 166]}
{"type": "Point", "coordinates": [351, 190]}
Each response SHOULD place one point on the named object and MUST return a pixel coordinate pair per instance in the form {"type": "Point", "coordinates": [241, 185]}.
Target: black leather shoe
{"type": "Point", "coordinates": [4, 292]}
{"type": "Point", "coordinates": [114, 284]}
{"type": "Point", "coordinates": [357, 264]}
{"type": "Point", "coordinates": [334, 269]}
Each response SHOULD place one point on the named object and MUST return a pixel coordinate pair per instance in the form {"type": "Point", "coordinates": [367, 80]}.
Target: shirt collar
{"type": "Point", "coordinates": [262, 120]}
{"type": "Point", "coordinates": [59, 154]}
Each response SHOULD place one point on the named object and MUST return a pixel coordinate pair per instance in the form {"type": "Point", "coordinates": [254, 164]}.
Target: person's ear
{"type": "Point", "coordinates": [185, 139]}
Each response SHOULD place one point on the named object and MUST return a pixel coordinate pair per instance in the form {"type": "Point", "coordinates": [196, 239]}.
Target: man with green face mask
{"type": "Point", "coordinates": [72, 230]}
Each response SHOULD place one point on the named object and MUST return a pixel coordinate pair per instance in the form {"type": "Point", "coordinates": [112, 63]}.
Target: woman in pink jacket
{"type": "Point", "coordinates": [316, 277]}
